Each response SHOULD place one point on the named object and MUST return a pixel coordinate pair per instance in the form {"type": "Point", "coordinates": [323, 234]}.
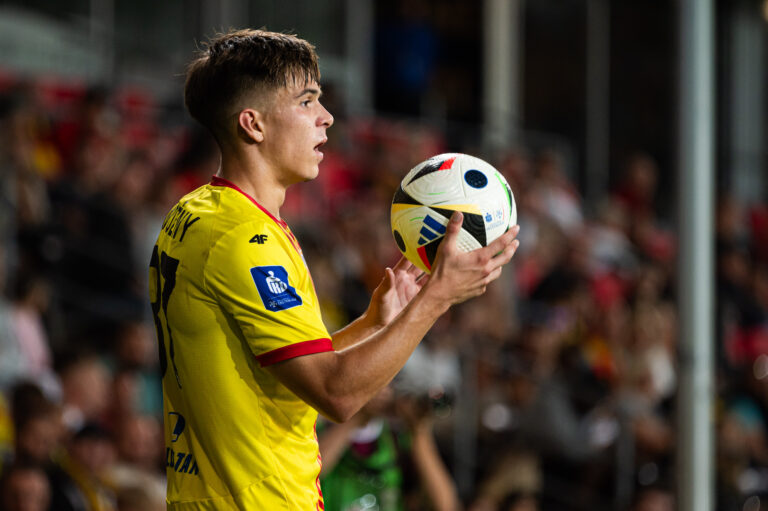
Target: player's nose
{"type": "Point", "coordinates": [325, 119]}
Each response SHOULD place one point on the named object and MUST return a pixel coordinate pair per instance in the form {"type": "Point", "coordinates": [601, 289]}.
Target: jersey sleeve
{"type": "Point", "coordinates": [260, 280]}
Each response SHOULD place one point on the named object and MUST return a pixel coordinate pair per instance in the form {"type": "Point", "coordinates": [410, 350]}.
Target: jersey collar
{"type": "Point", "coordinates": [220, 181]}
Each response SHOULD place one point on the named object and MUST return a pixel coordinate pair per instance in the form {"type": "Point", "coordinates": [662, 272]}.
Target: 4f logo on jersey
{"type": "Point", "coordinates": [259, 238]}
{"type": "Point", "coordinates": [274, 289]}
{"type": "Point", "coordinates": [431, 230]}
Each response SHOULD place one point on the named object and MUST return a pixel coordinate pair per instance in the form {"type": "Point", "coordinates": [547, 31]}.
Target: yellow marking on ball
{"type": "Point", "coordinates": [464, 208]}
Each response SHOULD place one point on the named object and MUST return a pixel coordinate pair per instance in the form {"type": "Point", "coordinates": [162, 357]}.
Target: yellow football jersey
{"type": "Point", "coordinates": [231, 294]}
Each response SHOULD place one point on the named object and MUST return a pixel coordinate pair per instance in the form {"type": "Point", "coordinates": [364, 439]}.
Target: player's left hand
{"type": "Point", "coordinates": [398, 287]}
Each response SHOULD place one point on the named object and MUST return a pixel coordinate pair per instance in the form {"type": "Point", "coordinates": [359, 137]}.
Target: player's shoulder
{"type": "Point", "coordinates": [253, 245]}
{"type": "Point", "coordinates": [254, 233]}
{"type": "Point", "coordinates": [239, 215]}
{"type": "Point", "coordinates": [220, 222]}
{"type": "Point", "coordinates": [218, 209]}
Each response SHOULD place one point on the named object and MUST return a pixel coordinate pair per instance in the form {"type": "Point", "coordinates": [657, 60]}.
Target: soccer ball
{"type": "Point", "coordinates": [434, 189]}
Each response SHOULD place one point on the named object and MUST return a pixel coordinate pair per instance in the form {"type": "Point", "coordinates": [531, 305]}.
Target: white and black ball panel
{"type": "Point", "coordinates": [433, 181]}
{"type": "Point", "coordinates": [434, 164]}
{"type": "Point", "coordinates": [434, 189]}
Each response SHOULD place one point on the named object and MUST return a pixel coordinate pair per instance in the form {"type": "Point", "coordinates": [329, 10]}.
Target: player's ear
{"type": "Point", "coordinates": [250, 125]}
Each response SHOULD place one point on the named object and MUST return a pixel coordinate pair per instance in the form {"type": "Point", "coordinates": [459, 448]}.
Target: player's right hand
{"type": "Point", "coordinates": [400, 284]}
{"type": "Point", "coordinates": [457, 275]}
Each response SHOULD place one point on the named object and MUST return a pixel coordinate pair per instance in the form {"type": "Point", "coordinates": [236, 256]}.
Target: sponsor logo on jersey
{"type": "Point", "coordinates": [178, 429]}
{"type": "Point", "coordinates": [258, 238]}
{"type": "Point", "coordinates": [181, 462]}
{"type": "Point", "coordinates": [274, 289]}
{"type": "Point", "coordinates": [430, 230]}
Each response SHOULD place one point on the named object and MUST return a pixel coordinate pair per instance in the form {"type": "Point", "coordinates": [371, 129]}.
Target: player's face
{"type": "Point", "coordinates": [294, 131]}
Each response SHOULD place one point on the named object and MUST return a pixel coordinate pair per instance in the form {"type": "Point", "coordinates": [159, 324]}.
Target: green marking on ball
{"type": "Point", "coordinates": [506, 189]}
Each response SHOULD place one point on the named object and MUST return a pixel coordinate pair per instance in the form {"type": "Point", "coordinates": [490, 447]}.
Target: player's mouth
{"type": "Point", "coordinates": [318, 146]}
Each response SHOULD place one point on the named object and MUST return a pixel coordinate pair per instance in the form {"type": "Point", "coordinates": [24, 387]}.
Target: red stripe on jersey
{"type": "Point", "coordinates": [220, 181]}
{"type": "Point", "coordinates": [447, 164]}
{"type": "Point", "coordinates": [294, 350]}
{"type": "Point", "coordinates": [320, 501]}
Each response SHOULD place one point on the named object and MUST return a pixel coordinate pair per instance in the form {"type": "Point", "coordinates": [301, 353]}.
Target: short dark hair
{"type": "Point", "coordinates": [240, 61]}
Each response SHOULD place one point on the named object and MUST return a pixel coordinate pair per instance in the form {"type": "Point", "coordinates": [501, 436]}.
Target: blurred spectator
{"type": "Point", "coordinates": [610, 249]}
{"type": "Point", "coordinates": [365, 465]}
{"type": "Point", "coordinates": [136, 382]}
{"type": "Point", "coordinates": [742, 438]}
{"type": "Point", "coordinates": [95, 271]}
{"type": "Point", "coordinates": [552, 195]}
{"type": "Point", "coordinates": [12, 365]}
{"type": "Point", "coordinates": [513, 484]}
{"type": "Point", "coordinates": [637, 193]}
{"type": "Point", "coordinates": [758, 223]}
{"type": "Point", "coordinates": [140, 456]}
{"type": "Point", "coordinates": [196, 164]}
{"type": "Point", "coordinates": [7, 432]}
{"type": "Point", "coordinates": [78, 478]}
{"type": "Point", "coordinates": [138, 498]}
{"type": "Point", "coordinates": [654, 499]}
{"type": "Point", "coordinates": [29, 310]}
{"type": "Point", "coordinates": [520, 503]}
{"type": "Point", "coordinates": [24, 346]}
{"type": "Point", "coordinates": [91, 118]}
{"type": "Point", "coordinates": [637, 189]}
{"type": "Point", "coordinates": [85, 389]}
{"type": "Point", "coordinates": [134, 186]}
{"type": "Point", "coordinates": [24, 488]}
{"type": "Point", "coordinates": [37, 425]}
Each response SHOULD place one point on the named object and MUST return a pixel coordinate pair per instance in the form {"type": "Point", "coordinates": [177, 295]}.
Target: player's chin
{"type": "Point", "coordinates": [311, 173]}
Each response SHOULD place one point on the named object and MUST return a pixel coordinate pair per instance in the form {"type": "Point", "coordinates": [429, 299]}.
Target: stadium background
{"type": "Point", "coordinates": [557, 388]}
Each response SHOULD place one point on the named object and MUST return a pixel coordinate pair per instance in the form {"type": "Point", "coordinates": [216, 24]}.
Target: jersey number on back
{"type": "Point", "coordinates": [165, 268]}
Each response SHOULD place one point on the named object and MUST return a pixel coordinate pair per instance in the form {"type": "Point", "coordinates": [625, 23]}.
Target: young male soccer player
{"type": "Point", "coordinates": [246, 360]}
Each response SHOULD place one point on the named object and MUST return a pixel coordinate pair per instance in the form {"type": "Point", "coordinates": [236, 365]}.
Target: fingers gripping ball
{"type": "Point", "coordinates": [434, 189]}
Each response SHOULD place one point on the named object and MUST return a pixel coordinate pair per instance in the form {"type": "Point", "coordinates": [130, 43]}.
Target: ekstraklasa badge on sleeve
{"type": "Point", "coordinates": [275, 292]}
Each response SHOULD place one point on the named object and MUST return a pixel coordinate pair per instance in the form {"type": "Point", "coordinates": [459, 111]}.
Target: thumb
{"type": "Point", "coordinates": [389, 279]}
{"type": "Point", "coordinates": [386, 284]}
{"type": "Point", "coordinates": [452, 231]}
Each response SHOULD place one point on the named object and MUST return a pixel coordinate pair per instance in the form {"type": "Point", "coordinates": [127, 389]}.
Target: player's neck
{"type": "Point", "coordinates": [254, 178]}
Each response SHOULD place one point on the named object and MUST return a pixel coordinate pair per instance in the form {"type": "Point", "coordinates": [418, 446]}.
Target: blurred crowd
{"type": "Point", "coordinates": [553, 391]}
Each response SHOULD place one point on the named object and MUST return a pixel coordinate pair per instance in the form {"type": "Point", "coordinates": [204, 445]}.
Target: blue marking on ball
{"type": "Point", "coordinates": [475, 178]}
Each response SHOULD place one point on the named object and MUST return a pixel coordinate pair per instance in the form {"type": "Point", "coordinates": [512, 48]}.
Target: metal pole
{"type": "Point", "coordinates": [210, 18]}
{"type": "Point", "coordinates": [746, 121]}
{"type": "Point", "coordinates": [465, 432]}
{"type": "Point", "coordinates": [502, 32]}
{"type": "Point", "coordinates": [598, 100]}
{"type": "Point", "coordinates": [359, 46]}
{"type": "Point", "coordinates": [102, 35]}
{"type": "Point", "coordinates": [696, 220]}
{"type": "Point", "coordinates": [233, 14]}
